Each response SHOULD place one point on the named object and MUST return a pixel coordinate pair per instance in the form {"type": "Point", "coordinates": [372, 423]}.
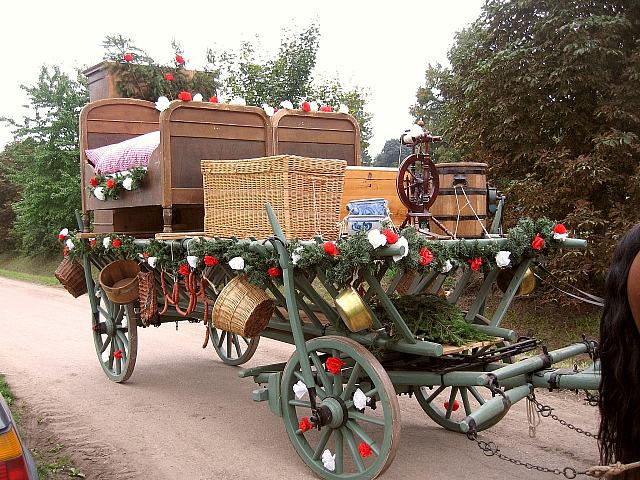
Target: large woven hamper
{"type": "Point", "coordinates": [305, 194]}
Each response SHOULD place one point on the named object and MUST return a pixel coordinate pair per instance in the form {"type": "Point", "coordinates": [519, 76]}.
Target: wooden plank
{"type": "Point", "coordinates": [178, 235]}
{"type": "Point", "coordinates": [451, 349]}
{"type": "Point", "coordinates": [110, 126]}
{"type": "Point", "coordinates": [300, 135]}
{"type": "Point", "coordinates": [208, 130]}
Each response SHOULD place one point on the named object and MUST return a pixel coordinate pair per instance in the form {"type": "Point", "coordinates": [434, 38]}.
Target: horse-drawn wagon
{"type": "Point", "coordinates": [237, 225]}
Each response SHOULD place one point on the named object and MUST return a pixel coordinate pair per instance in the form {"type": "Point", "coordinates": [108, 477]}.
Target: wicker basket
{"type": "Point", "coordinates": [71, 275]}
{"type": "Point", "coordinates": [242, 308]}
{"type": "Point", "coordinates": [148, 298]}
{"type": "Point", "coordinates": [119, 280]}
{"type": "Point", "coordinates": [305, 194]}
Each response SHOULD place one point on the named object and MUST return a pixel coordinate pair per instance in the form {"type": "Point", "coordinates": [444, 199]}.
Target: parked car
{"type": "Point", "coordinates": [16, 462]}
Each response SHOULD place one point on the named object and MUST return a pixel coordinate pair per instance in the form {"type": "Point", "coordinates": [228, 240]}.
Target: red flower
{"type": "Point", "coordinates": [392, 237]}
{"type": "Point", "coordinates": [214, 99]}
{"type": "Point", "coordinates": [185, 96]}
{"type": "Point", "coordinates": [305, 424]}
{"type": "Point", "coordinates": [60, 237]}
{"type": "Point", "coordinates": [92, 242]}
{"type": "Point", "coordinates": [116, 243]}
{"type": "Point", "coordinates": [128, 57]}
{"type": "Point", "coordinates": [274, 272]}
{"type": "Point", "coordinates": [306, 106]}
{"type": "Point", "coordinates": [111, 183]}
{"type": "Point", "coordinates": [456, 405]}
{"type": "Point", "coordinates": [210, 261]}
{"type": "Point", "coordinates": [475, 263]}
{"type": "Point", "coordinates": [334, 365]}
{"type": "Point", "coordinates": [560, 228]}
{"type": "Point", "coordinates": [325, 108]}
{"type": "Point", "coordinates": [537, 242]}
{"type": "Point", "coordinates": [94, 182]}
{"type": "Point", "coordinates": [184, 269]}
{"type": "Point", "coordinates": [179, 59]}
{"type": "Point", "coordinates": [168, 77]}
{"type": "Point", "coordinates": [364, 449]}
{"type": "Point", "coordinates": [331, 248]}
{"type": "Point", "coordinates": [425, 256]}
{"type": "Point", "coordinates": [117, 354]}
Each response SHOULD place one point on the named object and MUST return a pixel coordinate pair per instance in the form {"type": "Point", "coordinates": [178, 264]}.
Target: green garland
{"type": "Point", "coordinates": [111, 185]}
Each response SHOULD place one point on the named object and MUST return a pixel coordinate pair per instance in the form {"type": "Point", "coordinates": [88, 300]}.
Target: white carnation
{"type": "Point", "coordinates": [300, 389]}
{"type": "Point", "coordinates": [360, 400]}
{"type": "Point", "coordinates": [127, 183]}
{"type": "Point", "coordinates": [343, 108]}
{"type": "Point", "coordinates": [99, 193]}
{"type": "Point", "coordinates": [447, 267]}
{"type": "Point", "coordinates": [269, 110]}
{"type": "Point", "coordinates": [197, 97]}
{"type": "Point", "coordinates": [286, 104]}
{"type": "Point", "coordinates": [237, 263]}
{"type": "Point", "coordinates": [503, 259]}
{"type": "Point", "coordinates": [162, 103]}
{"type": "Point", "coordinates": [402, 242]}
{"type": "Point", "coordinates": [152, 261]}
{"type": "Point", "coordinates": [106, 241]}
{"type": "Point", "coordinates": [238, 101]}
{"type": "Point", "coordinates": [328, 460]}
{"type": "Point", "coordinates": [64, 232]}
{"type": "Point", "coordinates": [69, 244]}
{"type": "Point", "coordinates": [560, 236]}
{"type": "Point", "coordinates": [296, 256]}
{"type": "Point", "coordinates": [192, 260]}
{"type": "Point", "coordinates": [376, 238]}
{"type": "Point", "coordinates": [314, 106]}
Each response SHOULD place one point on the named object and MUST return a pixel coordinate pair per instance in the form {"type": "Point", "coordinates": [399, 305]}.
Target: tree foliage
{"type": "Point", "coordinates": [546, 92]}
{"type": "Point", "coordinates": [43, 160]}
{"type": "Point", "coordinates": [392, 154]}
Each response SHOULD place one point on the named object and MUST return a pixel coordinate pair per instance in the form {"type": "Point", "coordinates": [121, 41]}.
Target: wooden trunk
{"type": "Point", "coordinates": [452, 208]}
{"type": "Point", "coordinates": [373, 182]}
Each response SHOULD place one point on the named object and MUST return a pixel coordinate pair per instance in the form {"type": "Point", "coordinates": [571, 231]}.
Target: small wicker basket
{"type": "Point", "coordinates": [71, 275]}
{"type": "Point", "coordinates": [305, 194]}
{"type": "Point", "coordinates": [119, 280]}
{"type": "Point", "coordinates": [242, 308]}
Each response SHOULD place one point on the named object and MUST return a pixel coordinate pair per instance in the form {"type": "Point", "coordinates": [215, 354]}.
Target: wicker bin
{"type": "Point", "coordinates": [71, 275]}
{"type": "Point", "coordinates": [119, 280]}
{"type": "Point", "coordinates": [305, 194]}
{"type": "Point", "coordinates": [242, 308]}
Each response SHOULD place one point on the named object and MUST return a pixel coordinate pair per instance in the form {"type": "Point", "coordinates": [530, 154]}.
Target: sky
{"type": "Point", "coordinates": [383, 47]}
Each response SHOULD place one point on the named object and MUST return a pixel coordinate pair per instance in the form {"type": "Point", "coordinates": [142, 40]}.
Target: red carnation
{"type": "Point", "coordinates": [210, 261]}
{"type": "Point", "coordinates": [116, 243]}
{"type": "Point", "coordinates": [92, 242]}
{"type": "Point", "coordinates": [214, 99]}
{"type": "Point", "coordinates": [305, 424]}
{"type": "Point", "coordinates": [425, 256]}
{"type": "Point", "coordinates": [455, 407]}
{"type": "Point", "coordinates": [184, 269]}
{"type": "Point", "coordinates": [537, 242]}
{"type": "Point", "coordinates": [179, 59]}
{"type": "Point", "coordinates": [475, 263]}
{"type": "Point", "coordinates": [117, 354]}
{"type": "Point", "coordinates": [94, 182]}
{"type": "Point", "coordinates": [60, 237]}
{"type": "Point", "coordinates": [274, 272]}
{"type": "Point", "coordinates": [560, 228]}
{"type": "Point", "coordinates": [325, 108]}
{"type": "Point", "coordinates": [128, 57]}
{"type": "Point", "coordinates": [306, 106]}
{"type": "Point", "coordinates": [185, 96]}
{"type": "Point", "coordinates": [392, 237]}
{"type": "Point", "coordinates": [364, 449]}
{"type": "Point", "coordinates": [168, 77]}
{"type": "Point", "coordinates": [331, 248]}
{"type": "Point", "coordinates": [111, 183]}
{"type": "Point", "coordinates": [334, 365]}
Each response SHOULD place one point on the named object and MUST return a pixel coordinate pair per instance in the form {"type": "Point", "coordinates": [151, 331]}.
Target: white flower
{"type": "Point", "coordinates": [192, 260]}
{"type": "Point", "coordinates": [69, 244]}
{"type": "Point", "coordinates": [402, 242]}
{"type": "Point", "coordinates": [328, 460]}
{"type": "Point", "coordinates": [197, 97]}
{"type": "Point", "coordinates": [238, 101]}
{"type": "Point", "coordinates": [502, 258]}
{"type": "Point", "coordinates": [314, 106]}
{"type": "Point", "coordinates": [343, 108]}
{"type": "Point", "coordinates": [64, 232]}
{"type": "Point", "coordinates": [300, 389]}
{"type": "Point", "coordinates": [360, 400]}
{"type": "Point", "coordinates": [376, 238]}
{"type": "Point", "coordinates": [152, 261]}
{"type": "Point", "coordinates": [268, 110]}
{"type": "Point", "coordinates": [127, 183]}
{"type": "Point", "coordinates": [162, 103]}
{"type": "Point", "coordinates": [447, 267]}
{"type": "Point", "coordinates": [99, 193]}
{"type": "Point", "coordinates": [415, 131]}
{"type": "Point", "coordinates": [237, 263]}
{"type": "Point", "coordinates": [286, 104]}
{"type": "Point", "coordinates": [106, 241]}
{"type": "Point", "coordinates": [560, 236]}
{"type": "Point", "coordinates": [296, 256]}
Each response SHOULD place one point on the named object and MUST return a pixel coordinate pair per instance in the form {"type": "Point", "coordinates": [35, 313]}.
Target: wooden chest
{"type": "Point", "coordinates": [373, 182]}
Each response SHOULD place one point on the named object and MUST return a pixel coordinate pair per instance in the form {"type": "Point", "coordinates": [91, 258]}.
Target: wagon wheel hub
{"type": "Point", "coordinates": [332, 413]}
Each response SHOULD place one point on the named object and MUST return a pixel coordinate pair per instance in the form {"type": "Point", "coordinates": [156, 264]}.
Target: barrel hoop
{"type": "Point", "coordinates": [468, 191]}
{"type": "Point", "coordinates": [461, 171]}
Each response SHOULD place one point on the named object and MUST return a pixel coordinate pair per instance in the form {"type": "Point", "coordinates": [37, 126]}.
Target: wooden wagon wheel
{"type": "Point", "coordinates": [115, 335]}
{"type": "Point", "coordinates": [364, 442]}
{"type": "Point", "coordinates": [417, 182]}
{"type": "Point", "coordinates": [448, 406]}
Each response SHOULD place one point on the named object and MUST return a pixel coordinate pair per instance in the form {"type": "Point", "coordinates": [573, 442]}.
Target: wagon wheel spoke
{"type": "Point", "coordinates": [322, 443]}
{"type": "Point", "coordinates": [339, 445]}
{"type": "Point", "coordinates": [355, 428]}
{"type": "Point", "coordinates": [222, 337]}
{"type": "Point", "coordinates": [236, 344]}
{"type": "Point", "coordinates": [229, 348]}
{"type": "Point", "coordinates": [115, 331]}
{"type": "Point", "coordinates": [452, 398]}
{"type": "Point", "coordinates": [351, 382]}
{"type": "Point", "coordinates": [465, 400]}
{"type": "Point", "coordinates": [476, 394]}
{"type": "Point", "coordinates": [104, 346]}
{"type": "Point", "coordinates": [354, 450]}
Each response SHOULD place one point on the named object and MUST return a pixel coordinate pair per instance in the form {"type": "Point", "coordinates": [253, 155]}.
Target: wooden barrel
{"type": "Point", "coordinates": [455, 210]}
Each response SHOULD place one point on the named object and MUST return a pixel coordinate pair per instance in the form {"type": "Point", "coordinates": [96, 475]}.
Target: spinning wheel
{"type": "Point", "coordinates": [417, 182]}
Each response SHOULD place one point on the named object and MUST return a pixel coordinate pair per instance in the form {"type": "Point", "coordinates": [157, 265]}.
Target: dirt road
{"type": "Point", "coordinates": [185, 415]}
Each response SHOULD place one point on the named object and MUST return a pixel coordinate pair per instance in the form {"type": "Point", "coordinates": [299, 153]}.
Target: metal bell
{"type": "Point", "coordinates": [527, 285]}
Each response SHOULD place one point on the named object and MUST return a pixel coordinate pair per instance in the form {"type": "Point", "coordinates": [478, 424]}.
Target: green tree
{"type": "Point", "coordinates": [546, 92]}
{"type": "Point", "coordinates": [392, 154]}
{"type": "Point", "coordinates": [43, 160]}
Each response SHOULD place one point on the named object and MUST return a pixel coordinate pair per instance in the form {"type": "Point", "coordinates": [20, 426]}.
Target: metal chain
{"type": "Point", "coordinates": [546, 411]}
{"type": "Point", "coordinates": [490, 449]}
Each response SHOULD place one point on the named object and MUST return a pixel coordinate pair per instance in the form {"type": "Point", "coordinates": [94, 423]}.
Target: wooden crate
{"type": "Point", "coordinates": [373, 182]}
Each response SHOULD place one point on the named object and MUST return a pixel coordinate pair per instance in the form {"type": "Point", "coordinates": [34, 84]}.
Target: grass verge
{"type": "Point", "coordinates": [38, 269]}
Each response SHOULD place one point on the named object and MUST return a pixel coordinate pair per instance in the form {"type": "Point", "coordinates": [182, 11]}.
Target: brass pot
{"type": "Point", "coordinates": [527, 285]}
{"type": "Point", "coordinates": [353, 310]}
